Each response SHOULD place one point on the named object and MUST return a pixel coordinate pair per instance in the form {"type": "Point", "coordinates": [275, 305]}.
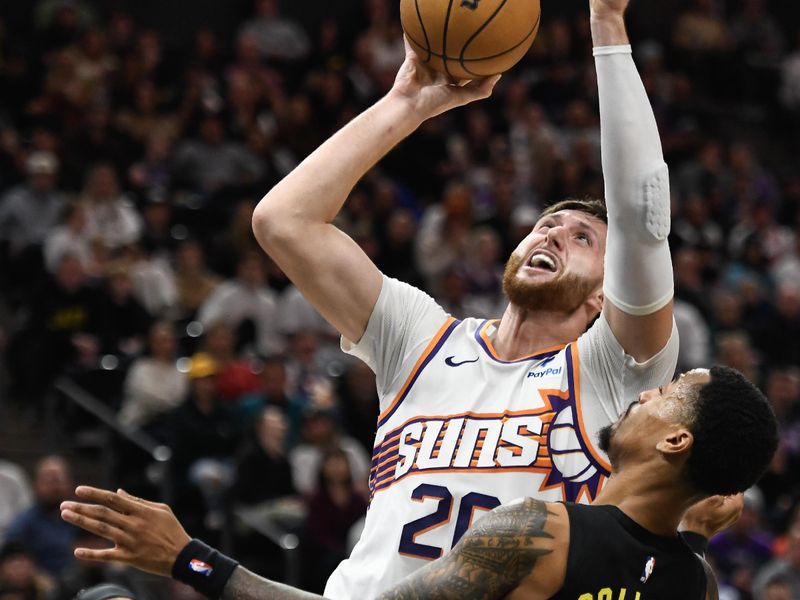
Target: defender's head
{"type": "Point", "coordinates": [558, 267]}
{"type": "Point", "coordinates": [713, 430]}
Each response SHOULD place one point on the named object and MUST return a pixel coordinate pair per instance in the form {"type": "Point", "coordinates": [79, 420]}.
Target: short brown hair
{"type": "Point", "coordinates": [591, 206]}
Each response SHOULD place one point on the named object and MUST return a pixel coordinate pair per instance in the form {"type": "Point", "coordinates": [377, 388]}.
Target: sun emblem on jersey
{"type": "Point", "coordinates": [470, 4]}
{"type": "Point", "coordinates": [574, 470]}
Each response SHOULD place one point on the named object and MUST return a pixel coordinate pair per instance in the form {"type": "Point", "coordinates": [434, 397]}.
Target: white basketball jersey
{"type": "Point", "coordinates": [462, 431]}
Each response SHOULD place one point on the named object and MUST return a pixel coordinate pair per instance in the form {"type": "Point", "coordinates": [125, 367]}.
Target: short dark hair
{"type": "Point", "coordinates": [591, 206]}
{"type": "Point", "coordinates": [735, 434]}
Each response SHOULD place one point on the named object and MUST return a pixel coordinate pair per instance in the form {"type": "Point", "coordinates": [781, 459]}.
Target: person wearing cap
{"type": "Point", "coordinates": [203, 435]}
{"type": "Point", "coordinates": [30, 210]}
{"type": "Point", "coordinates": [106, 591]}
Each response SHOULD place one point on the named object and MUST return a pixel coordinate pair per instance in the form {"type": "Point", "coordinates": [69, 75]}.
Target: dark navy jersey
{"type": "Point", "coordinates": [613, 558]}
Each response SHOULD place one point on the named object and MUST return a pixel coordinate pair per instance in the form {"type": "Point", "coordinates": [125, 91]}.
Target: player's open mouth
{"type": "Point", "coordinates": [543, 261]}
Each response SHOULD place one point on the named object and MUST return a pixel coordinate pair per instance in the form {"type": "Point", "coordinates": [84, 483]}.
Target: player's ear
{"type": "Point", "coordinates": [595, 301]}
{"type": "Point", "coordinates": [677, 442]}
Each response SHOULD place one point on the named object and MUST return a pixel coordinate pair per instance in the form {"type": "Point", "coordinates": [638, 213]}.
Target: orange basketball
{"type": "Point", "coordinates": [467, 39]}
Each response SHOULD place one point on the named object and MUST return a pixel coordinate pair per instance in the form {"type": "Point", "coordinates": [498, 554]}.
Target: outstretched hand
{"type": "Point", "coordinates": [146, 535]}
{"type": "Point", "coordinates": [713, 515]}
{"type": "Point", "coordinates": [432, 93]}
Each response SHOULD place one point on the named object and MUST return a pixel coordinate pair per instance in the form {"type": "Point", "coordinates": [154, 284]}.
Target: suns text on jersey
{"type": "Point", "coordinates": [472, 442]}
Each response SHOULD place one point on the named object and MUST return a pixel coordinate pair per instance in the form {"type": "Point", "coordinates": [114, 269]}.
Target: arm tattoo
{"type": "Point", "coordinates": [489, 562]}
{"type": "Point", "coordinates": [244, 585]}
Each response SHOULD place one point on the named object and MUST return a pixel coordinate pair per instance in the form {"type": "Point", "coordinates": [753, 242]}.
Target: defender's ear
{"type": "Point", "coordinates": [676, 443]}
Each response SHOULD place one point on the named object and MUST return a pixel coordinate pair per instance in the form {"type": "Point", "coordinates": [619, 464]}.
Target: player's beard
{"type": "Point", "coordinates": [564, 293]}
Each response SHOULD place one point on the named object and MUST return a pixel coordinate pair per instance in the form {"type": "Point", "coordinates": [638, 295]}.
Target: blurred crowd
{"type": "Point", "coordinates": [130, 166]}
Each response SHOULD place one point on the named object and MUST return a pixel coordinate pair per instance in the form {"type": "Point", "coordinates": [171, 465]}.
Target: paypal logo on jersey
{"type": "Point", "coordinates": [546, 372]}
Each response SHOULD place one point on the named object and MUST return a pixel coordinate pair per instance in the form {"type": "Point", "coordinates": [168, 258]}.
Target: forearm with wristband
{"type": "Point", "coordinates": [203, 568]}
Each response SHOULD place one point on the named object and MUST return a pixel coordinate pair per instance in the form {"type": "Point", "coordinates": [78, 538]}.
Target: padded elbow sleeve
{"type": "Point", "coordinates": [638, 266]}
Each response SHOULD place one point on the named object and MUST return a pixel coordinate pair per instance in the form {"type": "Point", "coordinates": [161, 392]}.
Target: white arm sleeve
{"type": "Point", "coordinates": [638, 268]}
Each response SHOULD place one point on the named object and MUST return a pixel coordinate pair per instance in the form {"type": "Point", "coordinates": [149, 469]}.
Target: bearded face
{"type": "Point", "coordinates": [564, 293]}
{"type": "Point", "coordinates": [559, 265]}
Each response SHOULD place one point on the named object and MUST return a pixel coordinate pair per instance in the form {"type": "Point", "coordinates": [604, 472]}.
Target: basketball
{"type": "Point", "coordinates": [468, 39]}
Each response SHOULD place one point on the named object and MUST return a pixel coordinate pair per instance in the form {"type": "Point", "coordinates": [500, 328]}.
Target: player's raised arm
{"type": "Point", "coordinates": [519, 547]}
{"type": "Point", "coordinates": [638, 284]}
{"type": "Point", "coordinates": [293, 221]}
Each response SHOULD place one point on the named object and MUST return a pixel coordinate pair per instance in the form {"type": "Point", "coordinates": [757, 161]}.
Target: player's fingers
{"type": "Point", "coordinates": [109, 499]}
{"type": "Point", "coordinates": [104, 530]}
{"type": "Point", "coordinates": [482, 88]}
{"type": "Point", "coordinates": [106, 555]}
{"type": "Point", "coordinates": [149, 503]}
{"type": "Point", "coordinates": [99, 513]}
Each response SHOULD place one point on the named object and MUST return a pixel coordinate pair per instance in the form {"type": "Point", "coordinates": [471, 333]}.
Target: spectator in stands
{"type": "Point", "coordinates": [735, 350]}
{"type": "Point", "coordinates": [320, 434]}
{"type": "Point", "coordinates": [70, 237]}
{"type": "Point", "coordinates": [195, 282]}
{"type": "Point", "coordinates": [20, 579]}
{"type": "Point", "coordinates": [62, 328]}
{"type": "Point", "coordinates": [210, 163]}
{"type": "Point", "coordinates": [443, 239]}
{"type": "Point", "coordinates": [122, 320]}
{"type": "Point", "coordinates": [246, 304]}
{"type": "Point", "coordinates": [27, 214]}
{"type": "Point", "coordinates": [152, 280]}
{"type": "Point", "coordinates": [235, 376]}
{"type": "Point", "coordinates": [701, 29]}
{"type": "Point", "coordinates": [786, 568]}
{"type": "Point", "coordinates": [333, 509]}
{"type": "Point", "coordinates": [276, 391]}
{"type": "Point", "coordinates": [110, 214]}
{"type": "Point", "coordinates": [778, 337]}
{"type": "Point", "coordinates": [154, 385]}
{"type": "Point", "coordinates": [49, 538]}
{"type": "Point", "coordinates": [263, 472]}
{"type": "Point", "coordinates": [15, 495]}
{"type": "Point", "coordinates": [279, 37]}
{"type": "Point", "coordinates": [203, 435]}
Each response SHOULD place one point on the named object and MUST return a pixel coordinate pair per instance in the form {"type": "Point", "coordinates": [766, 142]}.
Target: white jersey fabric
{"type": "Point", "coordinates": [461, 431]}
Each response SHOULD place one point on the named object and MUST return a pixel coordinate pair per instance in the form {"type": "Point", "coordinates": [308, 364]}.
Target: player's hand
{"type": "Point", "coordinates": [432, 93]}
{"type": "Point", "coordinates": [713, 515]}
{"type": "Point", "coordinates": [146, 535]}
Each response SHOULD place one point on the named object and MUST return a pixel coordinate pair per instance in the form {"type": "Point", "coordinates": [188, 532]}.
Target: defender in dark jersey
{"type": "Point", "coordinates": [709, 432]}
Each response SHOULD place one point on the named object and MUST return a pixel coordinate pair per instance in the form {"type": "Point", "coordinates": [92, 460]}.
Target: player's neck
{"type": "Point", "coordinates": [656, 504]}
{"type": "Point", "coordinates": [522, 333]}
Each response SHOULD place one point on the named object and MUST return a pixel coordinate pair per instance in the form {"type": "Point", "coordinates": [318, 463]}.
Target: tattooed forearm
{"type": "Point", "coordinates": [489, 562]}
{"type": "Point", "coordinates": [244, 585]}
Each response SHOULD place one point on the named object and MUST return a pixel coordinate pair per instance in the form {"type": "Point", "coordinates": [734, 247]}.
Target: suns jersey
{"type": "Point", "coordinates": [461, 431]}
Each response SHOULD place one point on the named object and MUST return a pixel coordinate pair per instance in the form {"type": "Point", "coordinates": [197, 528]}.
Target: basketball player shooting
{"type": "Point", "coordinates": [674, 447]}
{"type": "Point", "coordinates": [475, 414]}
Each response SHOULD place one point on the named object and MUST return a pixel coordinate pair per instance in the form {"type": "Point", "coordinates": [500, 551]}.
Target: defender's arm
{"type": "Point", "coordinates": [518, 548]}
{"type": "Point", "coordinates": [638, 269]}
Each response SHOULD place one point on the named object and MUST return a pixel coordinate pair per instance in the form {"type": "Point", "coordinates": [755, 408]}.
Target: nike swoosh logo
{"type": "Point", "coordinates": [451, 363]}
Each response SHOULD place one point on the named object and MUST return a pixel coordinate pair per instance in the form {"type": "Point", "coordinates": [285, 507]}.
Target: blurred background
{"type": "Point", "coordinates": [146, 342]}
